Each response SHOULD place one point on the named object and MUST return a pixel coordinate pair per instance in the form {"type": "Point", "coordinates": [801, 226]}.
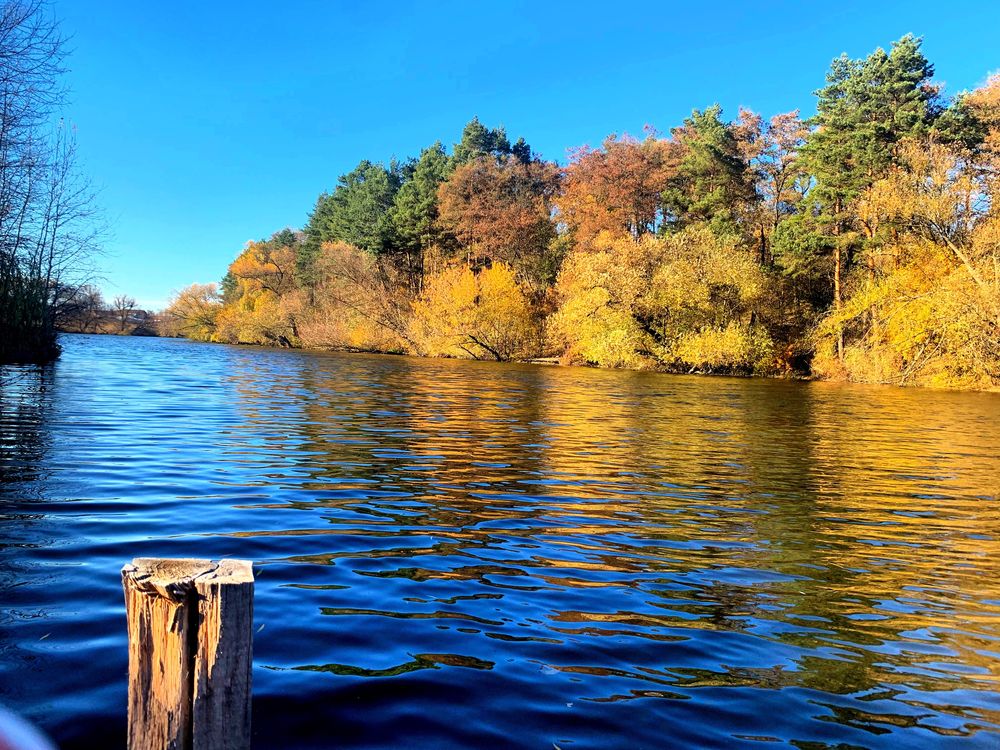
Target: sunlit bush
{"type": "Point", "coordinates": [193, 313]}
{"type": "Point", "coordinates": [482, 315]}
{"type": "Point", "coordinates": [682, 302]}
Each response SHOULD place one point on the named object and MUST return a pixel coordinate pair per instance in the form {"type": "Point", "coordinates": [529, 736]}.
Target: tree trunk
{"type": "Point", "coordinates": [837, 301]}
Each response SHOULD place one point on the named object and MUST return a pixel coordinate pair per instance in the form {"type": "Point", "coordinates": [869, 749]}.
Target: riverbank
{"type": "Point", "coordinates": [790, 376]}
{"type": "Point", "coordinates": [744, 246]}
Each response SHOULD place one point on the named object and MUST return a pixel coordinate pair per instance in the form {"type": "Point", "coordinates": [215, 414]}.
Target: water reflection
{"type": "Point", "coordinates": [459, 554]}
{"type": "Point", "coordinates": [25, 402]}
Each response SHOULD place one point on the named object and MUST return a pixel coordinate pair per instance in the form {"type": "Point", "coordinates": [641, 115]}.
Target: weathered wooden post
{"type": "Point", "coordinates": [190, 653]}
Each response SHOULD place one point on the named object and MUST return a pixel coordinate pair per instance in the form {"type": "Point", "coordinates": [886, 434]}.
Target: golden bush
{"type": "Point", "coordinates": [483, 315]}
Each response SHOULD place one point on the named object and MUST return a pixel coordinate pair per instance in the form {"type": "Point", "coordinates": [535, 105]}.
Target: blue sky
{"type": "Point", "coordinates": [208, 124]}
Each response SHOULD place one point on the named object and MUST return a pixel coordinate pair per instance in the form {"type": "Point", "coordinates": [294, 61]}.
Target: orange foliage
{"type": "Point", "coordinates": [616, 188]}
{"type": "Point", "coordinates": [265, 267]}
{"type": "Point", "coordinates": [501, 211]}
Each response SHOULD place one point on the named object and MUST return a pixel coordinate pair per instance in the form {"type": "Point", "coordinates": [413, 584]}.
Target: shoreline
{"type": "Point", "coordinates": [554, 362]}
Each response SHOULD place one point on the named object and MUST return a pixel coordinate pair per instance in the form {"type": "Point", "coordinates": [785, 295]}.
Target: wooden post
{"type": "Point", "coordinates": [190, 652]}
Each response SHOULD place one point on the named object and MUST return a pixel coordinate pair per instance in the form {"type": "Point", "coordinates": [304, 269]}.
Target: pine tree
{"type": "Point", "coordinates": [478, 140]}
{"type": "Point", "coordinates": [712, 183]}
{"type": "Point", "coordinates": [866, 108]}
{"type": "Point", "coordinates": [414, 211]}
{"type": "Point", "coordinates": [357, 211]}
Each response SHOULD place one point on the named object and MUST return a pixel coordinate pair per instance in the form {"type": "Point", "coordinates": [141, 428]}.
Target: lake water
{"type": "Point", "coordinates": [459, 554]}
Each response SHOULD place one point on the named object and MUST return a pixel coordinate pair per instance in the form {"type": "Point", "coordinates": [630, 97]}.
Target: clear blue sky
{"type": "Point", "coordinates": [209, 124]}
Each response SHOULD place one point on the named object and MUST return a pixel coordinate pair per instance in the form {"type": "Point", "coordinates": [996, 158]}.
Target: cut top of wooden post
{"type": "Point", "coordinates": [173, 578]}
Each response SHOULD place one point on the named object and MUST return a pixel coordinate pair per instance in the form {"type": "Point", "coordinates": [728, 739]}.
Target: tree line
{"type": "Point", "coordinates": [861, 243]}
{"type": "Point", "coordinates": [87, 311]}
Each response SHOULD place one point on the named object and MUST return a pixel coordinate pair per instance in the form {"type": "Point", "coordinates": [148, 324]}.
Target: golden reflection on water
{"type": "Point", "coordinates": [859, 526]}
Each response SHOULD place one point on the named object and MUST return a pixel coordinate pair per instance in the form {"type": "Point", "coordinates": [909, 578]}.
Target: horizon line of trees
{"type": "Point", "coordinates": [87, 311]}
{"type": "Point", "coordinates": [862, 243]}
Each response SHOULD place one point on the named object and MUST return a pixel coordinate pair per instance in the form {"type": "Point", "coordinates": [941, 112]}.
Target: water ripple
{"type": "Point", "coordinates": [458, 554]}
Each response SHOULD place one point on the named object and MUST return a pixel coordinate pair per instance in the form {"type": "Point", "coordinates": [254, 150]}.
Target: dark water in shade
{"type": "Point", "coordinates": [456, 554]}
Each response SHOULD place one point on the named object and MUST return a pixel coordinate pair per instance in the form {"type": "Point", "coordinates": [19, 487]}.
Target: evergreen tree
{"type": "Point", "coordinates": [866, 108]}
{"type": "Point", "coordinates": [414, 211]}
{"type": "Point", "coordinates": [712, 184]}
{"type": "Point", "coordinates": [305, 265]}
{"type": "Point", "coordinates": [479, 140]}
{"type": "Point", "coordinates": [284, 238]}
{"type": "Point", "coordinates": [521, 151]}
{"type": "Point", "coordinates": [229, 287]}
{"type": "Point", "coordinates": [357, 211]}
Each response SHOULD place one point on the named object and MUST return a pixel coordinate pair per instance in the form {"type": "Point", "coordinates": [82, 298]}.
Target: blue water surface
{"type": "Point", "coordinates": [462, 555]}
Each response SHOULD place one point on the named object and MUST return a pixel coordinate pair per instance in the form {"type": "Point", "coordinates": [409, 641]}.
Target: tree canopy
{"type": "Point", "coordinates": [859, 243]}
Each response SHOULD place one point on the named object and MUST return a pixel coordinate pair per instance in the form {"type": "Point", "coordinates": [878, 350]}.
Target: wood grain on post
{"type": "Point", "coordinates": [190, 644]}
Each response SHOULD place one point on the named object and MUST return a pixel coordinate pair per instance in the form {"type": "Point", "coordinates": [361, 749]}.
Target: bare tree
{"type": "Point", "coordinates": [48, 227]}
{"type": "Point", "coordinates": [91, 308]}
{"type": "Point", "coordinates": [123, 306]}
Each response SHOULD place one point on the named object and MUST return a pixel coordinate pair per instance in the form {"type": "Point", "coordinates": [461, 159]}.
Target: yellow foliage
{"type": "Point", "coordinates": [928, 311]}
{"type": "Point", "coordinates": [262, 308]}
{"type": "Point", "coordinates": [683, 302]}
{"type": "Point", "coordinates": [264, 267]}
{"type": "Point", "coordinates": [599, 291]}
{"type": "Point", "coordinates": [924, 323]}
{"type": "Point", "coordinates": [193, 313]}
{"type": "Point", "coordinates": [257, 317]}
{"type": "Point", "coordinates": [736, 347]}
{"type": "Point", "coordinates": [481, 315]}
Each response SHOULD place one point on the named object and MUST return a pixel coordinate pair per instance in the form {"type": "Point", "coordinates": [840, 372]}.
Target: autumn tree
{"type": "Point", "coordinates": [192, 313]}
{"type": "Point", "coordinates": [688, 301]}
{"type": "Point", "coordinates": [863, 243]}
{"type": "Point", "coordinates": [501, 211]}
{"type": "Point", "coordinates": [258, 308]}
{"type": "Point", "coordinates": [616, 188]}
{"type": "Point", "coordinates": [983, 108]}
{"type": "Point", "coordinates": [267, 265]}
{"type": "Point", "coordinates": [770, 149]}
{"type": "Point", "coordinates": [929, 310]}
{"type": "Point", "coordinates": [361, 302]}
{"type": "Point", "coordinates": [476, 315]}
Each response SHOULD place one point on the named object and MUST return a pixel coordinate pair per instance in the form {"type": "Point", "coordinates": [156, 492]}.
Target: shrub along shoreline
{"type": "Point", "coordinates": [860, 244]}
